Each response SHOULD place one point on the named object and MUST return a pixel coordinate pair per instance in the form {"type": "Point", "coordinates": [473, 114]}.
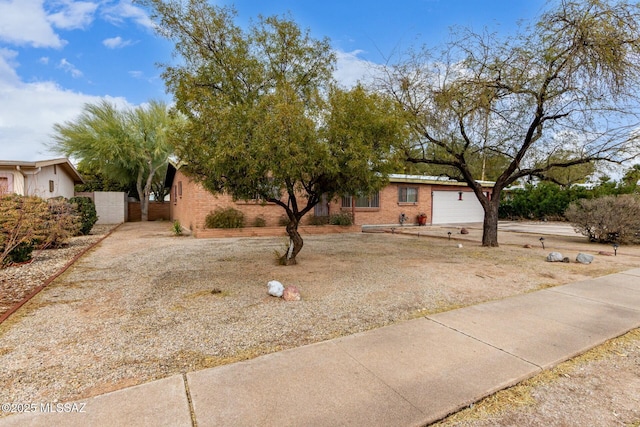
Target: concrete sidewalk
{"type": "Point", "coordinates": [412, 373]}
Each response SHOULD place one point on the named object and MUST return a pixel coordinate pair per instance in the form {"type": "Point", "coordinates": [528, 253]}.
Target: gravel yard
{"type": "Point", "coordinates": [144, 304]}
{"type": "Point", "coordinates": [16, 282]}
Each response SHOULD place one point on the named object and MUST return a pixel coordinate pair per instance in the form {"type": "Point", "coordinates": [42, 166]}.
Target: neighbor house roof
{"type": "Point", "coordinates": [427, 179]}
{"type": "Point", "coordinates": [64, 163]}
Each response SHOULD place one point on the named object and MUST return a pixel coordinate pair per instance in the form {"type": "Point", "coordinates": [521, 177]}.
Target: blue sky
{"type": "Point", "coordinates": [57, 55]}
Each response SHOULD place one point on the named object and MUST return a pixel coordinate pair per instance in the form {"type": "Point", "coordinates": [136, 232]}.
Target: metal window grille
{"type": "Point", "coordinates": [407, 194]}
{"type": "Point", "coordinates": [372, 201]}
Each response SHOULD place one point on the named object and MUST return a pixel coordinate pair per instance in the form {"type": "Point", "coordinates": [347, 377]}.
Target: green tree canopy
{"type": "Point", "coordinates": [632, 176]}
{"type": "Point", "coordinates": [125, 146]}
{"type": "Point", "coordinates": [265, 118]}
{"type": "Point", "coordinates": [574, 73]}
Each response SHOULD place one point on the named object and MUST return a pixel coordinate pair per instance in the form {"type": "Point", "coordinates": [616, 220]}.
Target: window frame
{"type": "Point", "coordinates": [403, 190]}
{"type": "Point", "coordinates": [372, 201]}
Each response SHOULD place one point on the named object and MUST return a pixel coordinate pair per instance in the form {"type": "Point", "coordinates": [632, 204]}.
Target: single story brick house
{"type": "Point", "coordinates": [444, 201]}
{"type": "Point", "coordinates": [45, 179]}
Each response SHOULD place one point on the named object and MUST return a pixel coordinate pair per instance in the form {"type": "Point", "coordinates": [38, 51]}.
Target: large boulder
{"type": "Point", "coordinates": [584, 258]}
{"type": "Point", "coordinates": [555, 257]}
{"type": "Point", "coordinates": [275, 288]}
{"type": "Point", "coordinates": [291, 293]}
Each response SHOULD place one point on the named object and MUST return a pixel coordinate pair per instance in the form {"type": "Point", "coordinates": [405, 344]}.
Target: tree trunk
{"type": "Point", "coordinates": [295, 244]}
{"type": "Point", "coordinates": [490, 226]}
{"type": "Point", "coordinates": [144, 207]}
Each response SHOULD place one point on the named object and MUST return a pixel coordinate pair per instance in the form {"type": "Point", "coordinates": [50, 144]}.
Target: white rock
{"type": "Point", "coordinates": [276, 288]}
{"type": "Point", "coordinates": [554, 257]}
{"type": "Point", "coordinates": [584, 258]}
{"type": "Point", "coordinates": [459, 245]}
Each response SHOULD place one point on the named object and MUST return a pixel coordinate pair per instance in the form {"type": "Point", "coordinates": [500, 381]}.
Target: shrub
{"type": "Point", "coordinates": [87, 210]}
{"type": "Point", "coordinates": [23, 225]}
{"type": "Point", "coordinates": [280, 255]}
{"type": "Point", "coordinates": [318, 220]}
{"type": "Point", "coordinates": [608, 219]}
{"type": "Point", "coordinates": [283, 221]}
{"type": "Point", "coordinates": [62, 222]}
{"type": "Point", "coordinates": [225, 218]}
{"type": "Point", "coordinates": [543, 201]}
{"type": "Point", "coordinates": [259, 222]}
{"type": "Point", "coordinates": [176, 228]}
{"type": "Point", "coordinates": [341, 219]}
{"type": "Point", "coordinates": [21, 253]}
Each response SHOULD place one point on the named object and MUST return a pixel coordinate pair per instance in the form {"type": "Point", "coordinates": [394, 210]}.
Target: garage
{"type": "Point", "coordinates": [453, 207]}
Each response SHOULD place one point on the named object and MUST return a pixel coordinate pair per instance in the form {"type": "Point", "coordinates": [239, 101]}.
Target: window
{"type": "Point", "coordinates": [372, 201]}
{"type": "Point", "coordinates": [51, 186]}
{"type": "Point", "coordinates": [180, 188]}
{"type": "Point", "coordinates": [407, 194]}
{"type": "Point", "coordinates": [4, 185]}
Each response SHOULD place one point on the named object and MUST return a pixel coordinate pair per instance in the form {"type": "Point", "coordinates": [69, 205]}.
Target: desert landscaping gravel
{"type": "Point", "coordinates": [16, 282]}
{"type": "Point", "coordinates": [145, 304]}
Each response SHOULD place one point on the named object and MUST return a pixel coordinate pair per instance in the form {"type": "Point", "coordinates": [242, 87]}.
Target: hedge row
{"type": "Point", "coordinates": [28, 223]}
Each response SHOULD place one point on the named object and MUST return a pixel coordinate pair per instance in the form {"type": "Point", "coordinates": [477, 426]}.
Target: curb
{"type": "Point", "coordinates": [47, 282]}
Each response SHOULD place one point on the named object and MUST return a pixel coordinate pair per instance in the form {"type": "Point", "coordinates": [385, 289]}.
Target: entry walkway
{"type": "Point", "coordinates": [412, 373]}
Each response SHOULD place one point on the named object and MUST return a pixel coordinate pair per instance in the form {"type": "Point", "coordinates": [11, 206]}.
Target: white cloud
{"type": "Point", "coordinates": [116, 42]}
{"type": "Point", "coordinates": [44, 60]}
{"type": "Point", "coordinates": [70, 68]}
{"type": "Point", "coordinates": [125, 10]}
{"type": "Point", "coordinates": [351, 69]}
{"type": "Point", "coordinates": [28, 112]}
{"type": "Point", "coordinates": [33, 22]}
{"type": "Point", "coordinates": [24, 22]}
{"type": "Point", "coordinates": [136, 74]}
{"type": "Point", "coordinates": [72, 14]}
{"type": "Point", "coordinates": [8, 75]}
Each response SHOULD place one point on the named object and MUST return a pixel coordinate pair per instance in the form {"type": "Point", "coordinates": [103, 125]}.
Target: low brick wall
{"type": "Point", "coordinates": [209, 233]}
{"type": "Point", "coordinates": [156, 211]}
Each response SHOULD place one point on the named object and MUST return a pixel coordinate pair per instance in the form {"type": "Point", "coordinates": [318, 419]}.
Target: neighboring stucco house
{"type": "Point", "coordinates": [46, 178]}
{"type": "Point", "coordinates": [444, 201]}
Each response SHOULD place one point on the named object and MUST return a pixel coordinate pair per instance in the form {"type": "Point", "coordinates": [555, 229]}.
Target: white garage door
{"type": "Point", "coordinates": [449, 209]}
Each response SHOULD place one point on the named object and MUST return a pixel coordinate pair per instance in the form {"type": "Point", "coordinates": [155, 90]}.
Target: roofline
{"type": "Point", "coordinates": [63, 161]}
{"type": "Point", "coordinates": [397, 178]}
{"type": "Point", "coordinates": [434, 180]}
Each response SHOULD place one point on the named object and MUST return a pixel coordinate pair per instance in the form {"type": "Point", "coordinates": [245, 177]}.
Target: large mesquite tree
{"type": "Point", "coordinates": [572, 77]}
{"type": "Point", "coordinates": [265, 118]}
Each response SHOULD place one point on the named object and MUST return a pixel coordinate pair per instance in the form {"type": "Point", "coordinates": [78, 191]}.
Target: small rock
{"type": "Point", "coordinates": [276, 288]}
{"type": "Point", "coordinates": [464, 231]}
{"type": "Point", "coordinates": [605, 253]}
{"type": "Point", "coordinates": [566, 260]}
{"type": "Point", "coordinates": [555, 257]}
{"type": "Point", "coordinates": [459, 245]}
{"type": "Point", "coordinates": [584, 258]}
{"type": "Point", "coordinates": [527, 246]}
{"type": "Point", "coordinates": [291, 293]}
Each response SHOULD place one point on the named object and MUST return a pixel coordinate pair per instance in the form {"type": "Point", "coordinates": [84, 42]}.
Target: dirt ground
{"type": "Point", "coordinates": [145, 304]}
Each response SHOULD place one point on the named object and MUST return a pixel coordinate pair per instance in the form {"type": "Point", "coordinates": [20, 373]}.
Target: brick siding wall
{"type": "Point", "coordinates": [390, 208]}
{"type": "Point", "coordinates": [190, 204]}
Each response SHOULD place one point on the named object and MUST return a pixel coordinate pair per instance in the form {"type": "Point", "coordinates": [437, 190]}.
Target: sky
{"type": "Point", "coordinates": [58, 55]}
